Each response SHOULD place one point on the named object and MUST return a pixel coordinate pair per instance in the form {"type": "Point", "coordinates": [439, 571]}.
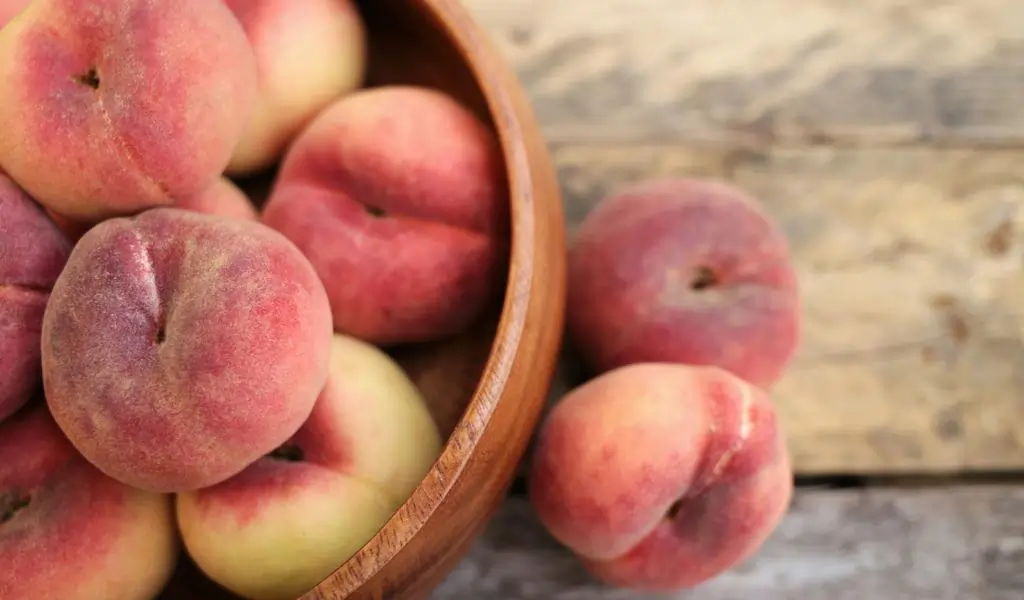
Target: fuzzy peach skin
{"type": "Point", "coordinates": [284, 524]}
{"type": "Point", "coordinates": [308, 53]}
{"type": "Point", "coordinates": [179, 347]}
{"type": "Point", "coordinates": [10, 8]}
{"type": "Point", "coordinates": [687, 271]}
{"type": "Point", "coordinates": [112, 106]}
{"type": "Point", "coordinates": [32, 253]}
{"type": "Point", "coordinates": [660, 476]}
{"type": "Point", "coordinates": [397, 196]}
{"type": "Point", "coordinates": [69, 532]}
{"type": "Point", "coordinates": [223, 198]}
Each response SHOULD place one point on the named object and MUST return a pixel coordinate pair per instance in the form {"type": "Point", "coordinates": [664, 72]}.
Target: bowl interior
{"type": "Point", "coordinates": [408, 45]}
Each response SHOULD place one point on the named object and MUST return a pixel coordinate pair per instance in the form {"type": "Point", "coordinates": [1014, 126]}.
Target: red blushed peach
{"type": "Point", "coordinates": [684, 271]}
{"type": "Point", "coordinates": [397, 196]}
{"type": "Point", "coordinates": [309, 53]}
{"type": "Point", "coordinates": [284, 524]}
{"type": "Point", "coordinates": [223, 198]}
{"type": "Point", "coordinates": [32, 253]}
{"type": "Point", "coordinates": [180, 347]}
{"type": "Point", "coordinates": [661, 476]}
{"type": "Point", "coordinates": [69, 532]}
{"type": "Point", "coordinates": [9, 9]}
{"type": "Point", "coordinates": [113, 106]}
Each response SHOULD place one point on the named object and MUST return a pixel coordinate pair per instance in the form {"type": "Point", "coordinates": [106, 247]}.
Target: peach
{"type": "Point", "coordinates": [69, 532]}
{"type": "Point", "coordinates": [113, 106]}
{"type": "Point", "coordinates": [10, 8]}
{"type": "Point", "coordinates": [660, 476]}
{"type": "Point", "coordinates": [684, 271]}
{"type": "Point", "coordinates": [396, 196]}
{"type": "Point", "coordinates": [222, 198]}
{"type": "Point", "coordinates": [32, 254]}
{"type": "Point", "coordinates": [179, 347]}
{"type": "Point", "coordinates": [308, 54]}
{"type": "Point", "coordinates": [282, 525]}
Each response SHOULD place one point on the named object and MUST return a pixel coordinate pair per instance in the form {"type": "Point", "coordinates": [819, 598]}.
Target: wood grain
{"type": "Point", "coordinates": [740, 71]}
{"type": "Point", "coordinates": [881, 134]}
{"type": "Point", "coordinates": [911, 263]}
{"type": "Point", "coordinates": [955, 543]}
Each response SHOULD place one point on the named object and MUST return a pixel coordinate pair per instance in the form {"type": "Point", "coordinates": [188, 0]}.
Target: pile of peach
{"type": "Point", "coordinates": [668, 466]}
{"type": "Point", "coordinates": [182, 366]}
{"type": "Point", "coordinates": [186, 368]}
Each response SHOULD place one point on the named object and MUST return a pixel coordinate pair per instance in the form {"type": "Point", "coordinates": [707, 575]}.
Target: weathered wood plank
{"type": "Point", "coordinates": [912, 269]}
{"type": "Point", "coordinates": [884, 70]}
{"type": "Point", "coordinates": [962, 543]}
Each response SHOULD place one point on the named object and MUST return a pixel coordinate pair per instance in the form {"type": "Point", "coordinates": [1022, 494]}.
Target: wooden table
{"type": "Point", "coordinates": [886, 138]}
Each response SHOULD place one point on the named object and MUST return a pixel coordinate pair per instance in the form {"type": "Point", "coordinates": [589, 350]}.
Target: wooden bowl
{"type": "Point", "coordinates": [436, 43]}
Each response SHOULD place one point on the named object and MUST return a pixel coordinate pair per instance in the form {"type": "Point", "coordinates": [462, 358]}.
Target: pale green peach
{"type": "Point", "coordinates": [280, 527]}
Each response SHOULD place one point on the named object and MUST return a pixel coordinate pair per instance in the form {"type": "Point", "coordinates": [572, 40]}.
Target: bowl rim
{"type": "Point", "coordinates": [513, 118]}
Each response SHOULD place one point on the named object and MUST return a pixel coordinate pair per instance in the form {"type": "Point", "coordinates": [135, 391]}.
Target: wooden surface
{"type": "Point", "coordinates": [884, 135]}
{"type": "Point", "coordinates": [875, 71]}
{"type": "Point", "coordinates": [964, 543]}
